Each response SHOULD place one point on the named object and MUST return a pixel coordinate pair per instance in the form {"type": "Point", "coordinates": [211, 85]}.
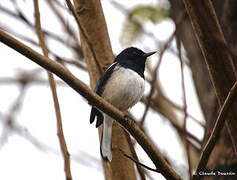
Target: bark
{"type": "Point", "coordinates": [214, 49]}
{"type": "Point", "coordinates": [92, 21]}
{"type": "Point", "coordinates": [223, 153]}
{"type": "Point", "coordinates": [202, 82]}
{"type": "Point", "coordinates": [226, 13]}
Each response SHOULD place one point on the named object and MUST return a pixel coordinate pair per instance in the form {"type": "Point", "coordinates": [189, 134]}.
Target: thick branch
{"type": "Point", "coordinates": [95, 100]}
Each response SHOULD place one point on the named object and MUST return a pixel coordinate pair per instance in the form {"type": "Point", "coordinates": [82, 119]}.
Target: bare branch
{"type": "Point", "coordinates": [62, 141]}
{"type": "Point", "coordinates": [167, 44]}
{"type": "Point", "coordinates": [71, 8]}
{"type": "Point", "coordinates": [216, 53]}
{"type": "Point", "coordinates": [134, 154]}
{"type": "Point", "coordinates": [137, 162]}
{"type": "Point", "coordinates": [185, 106]}
{"type": "Point", "coordinates": [215, 135]}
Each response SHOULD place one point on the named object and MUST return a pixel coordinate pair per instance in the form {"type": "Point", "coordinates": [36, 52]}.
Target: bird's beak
{"type": "Point", "coordinates": [149, 54]}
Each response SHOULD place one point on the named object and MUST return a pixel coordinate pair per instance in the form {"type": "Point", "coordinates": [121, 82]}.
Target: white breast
{"type": "Point", "coordinates": [124, 88]}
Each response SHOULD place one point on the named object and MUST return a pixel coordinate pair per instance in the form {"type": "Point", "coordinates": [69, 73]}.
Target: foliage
{"type": "Point", "coordinates": [133, 25]}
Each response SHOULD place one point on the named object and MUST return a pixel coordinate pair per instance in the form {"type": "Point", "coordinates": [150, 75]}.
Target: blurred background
{"type": "Point", "coordinates": [177, 114]}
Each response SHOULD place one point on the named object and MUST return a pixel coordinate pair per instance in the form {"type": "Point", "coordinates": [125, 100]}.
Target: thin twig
{"type": "Point", "coordinates": [137, 162]}
{"type": "Point", "coordinates": [134, 154]}
{"type": "Point", "coordinates": [184, 107]}
{"type": "Point", "coordinates": [126, 12]}
{"type": "Point", "coordinates": [62, 60]}
{"type": "Point", "coordinates": [9, 122]}
{"type": "Point", "coordinates": [58, 14]}
{"type": "Point", "coordinates": [154, 78]}
{"type": "Point", "coordinates": [165, 47]}
{"type": "Point", "coordinates": [62, 141]}
{"type": "Point", "coordinates": [19, 15]}
{"type": "Point", "coordinates": [215, 135]}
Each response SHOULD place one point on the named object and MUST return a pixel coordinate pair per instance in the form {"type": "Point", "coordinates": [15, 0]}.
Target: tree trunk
{"type": "Point", "coordinates": [98, 54]}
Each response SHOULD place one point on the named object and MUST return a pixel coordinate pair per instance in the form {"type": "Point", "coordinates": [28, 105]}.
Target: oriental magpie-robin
{"type": "Point", "coordinates": [122, 85]}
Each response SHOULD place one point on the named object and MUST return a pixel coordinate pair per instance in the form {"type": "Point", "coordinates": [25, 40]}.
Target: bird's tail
{"type": "Point", "coordinates": [106, 140]}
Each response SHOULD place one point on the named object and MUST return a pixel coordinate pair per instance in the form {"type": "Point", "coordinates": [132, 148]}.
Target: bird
{"type": "Point", "coordinates": [122, 85]}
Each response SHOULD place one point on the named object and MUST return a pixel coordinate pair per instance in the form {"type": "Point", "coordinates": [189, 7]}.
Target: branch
{"type": "Point", "coordinates": [57, 57]}
{"type": "Point", "coordinates": [134, 155]}
{"type": "Point", "coordinates": [62, 141]}
{"type": "Point", "coordinates": [71, 8]}
{"type": "Point", "coordinates": [186, 143]}
{"type": "Point", "coordinates": [23, 19]}
{"type": "Point", "coordinates": [215, 135]}
{"type": "Point", "coordinates": [94, 100]}
{"type": "Point", "coordinates": [216, 53]}
{"type": "Point", "coordinates": [137, 162]}
{"type": "Point", "coordinates": [154, 78]}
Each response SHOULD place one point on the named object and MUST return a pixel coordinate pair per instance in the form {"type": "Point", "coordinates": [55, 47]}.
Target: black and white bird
{"type": "Point", "coordinates": [122, 85]}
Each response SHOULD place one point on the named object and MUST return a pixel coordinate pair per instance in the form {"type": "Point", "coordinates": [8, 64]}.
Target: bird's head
{"type": "Point", "coordinates": [133, 55]}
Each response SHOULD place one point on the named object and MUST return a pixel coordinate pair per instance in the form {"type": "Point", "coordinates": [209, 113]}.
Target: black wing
{"type": "Point", "coordinates": [99, 90]}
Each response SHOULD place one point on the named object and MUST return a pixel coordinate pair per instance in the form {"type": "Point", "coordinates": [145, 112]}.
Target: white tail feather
{"type": "Point", "coordinates": [107, 139]}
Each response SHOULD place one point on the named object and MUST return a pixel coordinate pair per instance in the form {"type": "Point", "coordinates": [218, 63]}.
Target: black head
{"type": "Point", "coordinates": [134, 59]}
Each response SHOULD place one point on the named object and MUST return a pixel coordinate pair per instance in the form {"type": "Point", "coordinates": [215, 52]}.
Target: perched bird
{"type": "Point", "coordinates": [122, 85]}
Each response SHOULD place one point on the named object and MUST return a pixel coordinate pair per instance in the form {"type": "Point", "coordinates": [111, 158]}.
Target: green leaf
{"type": "Point", "coordinates": [132, 27]}
{"type": "Point", "coordinates": [151, 13]}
